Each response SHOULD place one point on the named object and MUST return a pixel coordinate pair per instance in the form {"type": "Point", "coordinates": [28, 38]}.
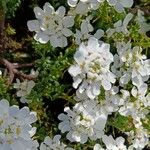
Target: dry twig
{"type": "Point", "coordinates": [12, 69]}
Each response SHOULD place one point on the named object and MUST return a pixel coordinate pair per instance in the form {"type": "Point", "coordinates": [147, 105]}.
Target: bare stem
{"type": "Point", "coordinates": [12, 69]}
{"type": "Point", "coordinates": [16, 65]}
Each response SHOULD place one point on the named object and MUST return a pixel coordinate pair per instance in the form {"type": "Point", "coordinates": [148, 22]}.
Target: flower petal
{"type": "Point", "coordinates": [112, 2]}
{"type": "Point", "coordinates": [66, 32]}
{"type": "Point", "coordinates": [126, 3]}
{"type": "Point", "coordinates": [80, 55]}
{"type": "Point", "coordinates": [99, 33]}
{"type": "Point", "coordinates": [61, 11]}
{"type": "Point", "coordinates": [72, 3]}
{"type": "Point", "coordinates": [33, 25]}
{"type": "Point", "coordinates": [62, 41]}
{"type": "Point", "coordinates": [106, 84]}
{"type": "Point", "coordinates": [39, 13]}
{"type": "Point", "coordinates": [119, 8]}
{"type": "Point", "coordinates": [48, 8]}
{"type": "Point", "coordinates": [54, 41]}
{"type": "Point", "coordinates": [76, 82]}
{"type": "Point", "coordinates": [74, 70]}
{"type": "Point", "coordinates": [127, 19]}
{"type": "Point", "coordinates": [96, 89]}
{"type": "Point", "coordinates": [41, 37]}
{"type": "Point", "coordinates": [82, 8]}
{"type": "Point", "coordinates": [68, 21]}
{"type": "Point", "coordinates": [93, 44]}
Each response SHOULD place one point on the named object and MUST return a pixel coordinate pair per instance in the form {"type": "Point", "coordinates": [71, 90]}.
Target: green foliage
{"type": "Point", "coordinates": [146, 123]}
{"type": "Point", "coordinates": [6, 91]}
{"type": "Point", "coordinates": [9, 6]}
{"type": "Point", "coordinates": [4, 94]}
{"type": "Point", "coordinates": [106, 16]}
{"type": "Point", "coordinates": [52, 67]}
{"type": "Point", "coordinates": [139, 39]}
{"type": "Point", "coordinates": [122, 123]}
{"type": "Point", "coordinates": [44, 124]}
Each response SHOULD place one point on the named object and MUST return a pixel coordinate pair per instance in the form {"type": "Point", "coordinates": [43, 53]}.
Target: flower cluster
{"type": "Point", "coordinates": [111, 144]}
{"type": "Point", "coordinates": [138, 138]}
{"type": "Point", "coordinates": [92, 68]}
{"type": "Point", "coordinates": [144, 26]}
{"type": "Point", "coordinates": [111, 77]}
{"type": "Point", "coordinates": [15, 127]}
{"type": "Point", "coordinates": [53, 144]}
{"type": "Point", "coordinates": [100, 75]}
{"type": "Point", "coordinates": [85, 33]}
{"type": "Point", "coordinates": [132, 64]}
{"type": "Point", "coordinates": [120, 4]}
{"type": "Point", "coordinates": [51, 25]}
{"type": "Point", "coordinates": [120, 26]}
{"type": "Point", "coordinates": [85, 121]}
{"type": "Point", "coordinates": [83, 6]}
{"type": "Point", "coordinates": [24, 88]}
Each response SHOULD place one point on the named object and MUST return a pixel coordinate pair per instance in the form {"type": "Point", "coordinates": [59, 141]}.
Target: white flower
{"type": "Point", "coordinates": [83, 6]}
{"type": "Point", "coordinates": [81, 96]}
{"type": "Point", "coordinates": [34, 145]}
{"type": "Point", "coordinates": [97, 147]}
{"type": "Point", "coordinates": [144, 26]}
{"type": "Point", "coordinates": [138, 138]}
{"type": "Point", "coordinates": [131, 65]}
{"type": "Point", "coordinates": [53, 144]}
{"type": "Point", "coordinates": [15, 127]}
{"type": "Point", "coordinates": [112, 144]}
{"type": "Point", "coordinates": [0, 72]}
{"type": "Point", "coordinates": [24, 89]}
{"type": "Point", "coordinates": [110, 102]}
{"type": "Point", "coordinates": [120, 26]}
{"type": "Point", "coordinates": [51, 25]}
{"type": "Point", "coordinates": [34, 72]}
{"type": "Point", "coordinates": [91, 68]}
{"type": "Point", "coordinates": [113, 101]}
{"type": "Point", "coordinates": [137, 106]}
{"type": "Point", "coordinates": [85, 121]}
{"type": "Point", "coordinates": [85, 33]}
{"type": "Point", "coordinates": [120, 4]}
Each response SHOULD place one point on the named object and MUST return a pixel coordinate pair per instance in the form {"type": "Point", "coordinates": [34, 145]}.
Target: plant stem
{"type": "Point", "coordinates": [12, 69]}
